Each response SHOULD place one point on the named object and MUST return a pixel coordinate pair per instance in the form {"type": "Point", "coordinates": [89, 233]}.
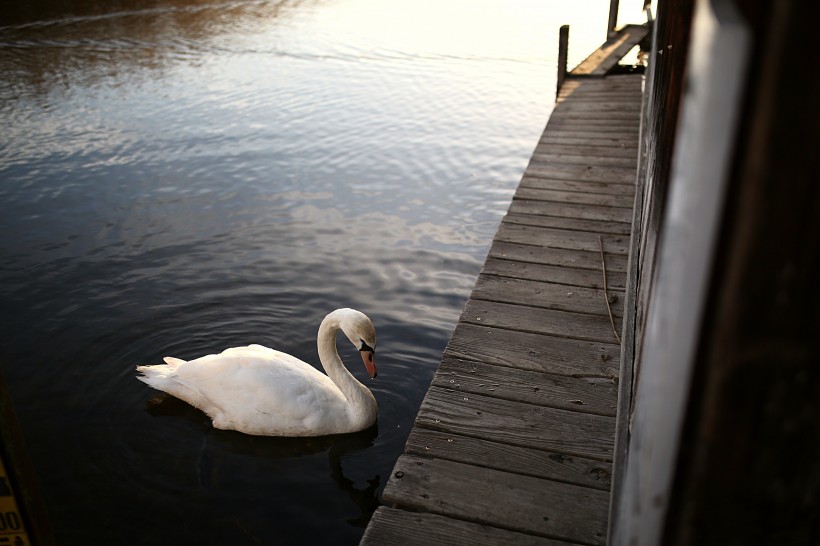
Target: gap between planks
{"type": "Point", "coordinates": [481, 495]}
{"type": "Point", "coordinates": [535, 352]}
{"type": "Point", "coordinates": [502, 267]}
{"type": "Point", "coordinates": [577, 225]}
{"type": "Point", "coordinates": [578, 186]}
{"type": "Point", "coordinates": [525, 193]}
{"type": "Point", "coordinates": [394, 526]}
{"type": "Point", "coordinates": [537, 320]}
{"type": "Point", "coordinates": [596, 396]}
{"type": "Point", "coordinates": [545, 295]}
{"type": "Point", "coordinates": [518, 423]}
{"type": "Point", "coordinates": [524, 461]}
{"type": "Point", "coordinates": [557, 257]}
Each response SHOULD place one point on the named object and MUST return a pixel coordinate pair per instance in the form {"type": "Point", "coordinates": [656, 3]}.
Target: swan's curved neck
{"type": "Point", "coordinates": [361, 400]}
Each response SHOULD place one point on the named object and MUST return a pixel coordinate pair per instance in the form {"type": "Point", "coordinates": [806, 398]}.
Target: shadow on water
{"type": "Point", "coordinates": [337, 447]}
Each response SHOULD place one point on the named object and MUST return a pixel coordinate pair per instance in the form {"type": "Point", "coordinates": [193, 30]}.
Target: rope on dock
{"type": "Point", "coordinates": [606, 292]}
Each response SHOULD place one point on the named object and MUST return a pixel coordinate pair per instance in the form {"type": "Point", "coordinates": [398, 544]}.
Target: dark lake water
{"type": "Point", "coordinates": [181, 176]}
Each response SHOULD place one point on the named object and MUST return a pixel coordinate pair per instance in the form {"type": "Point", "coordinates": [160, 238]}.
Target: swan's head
{"type": "Point", "coordinates": [361, 333]}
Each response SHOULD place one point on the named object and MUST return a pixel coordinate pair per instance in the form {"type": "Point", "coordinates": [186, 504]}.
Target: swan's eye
{"type": "Point", "coordinates": [366, 347]}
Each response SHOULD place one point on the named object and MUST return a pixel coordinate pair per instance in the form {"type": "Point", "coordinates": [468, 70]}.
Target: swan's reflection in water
{"type": "Point", "coordinates": [337, 447]}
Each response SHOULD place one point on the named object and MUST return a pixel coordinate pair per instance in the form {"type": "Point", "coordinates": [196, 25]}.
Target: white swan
{"type": "Point", "coordinates": [260, 391]}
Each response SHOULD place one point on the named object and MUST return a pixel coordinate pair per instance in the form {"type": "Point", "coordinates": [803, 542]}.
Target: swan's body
{"type": "Point", "coordinates": [257, 390]}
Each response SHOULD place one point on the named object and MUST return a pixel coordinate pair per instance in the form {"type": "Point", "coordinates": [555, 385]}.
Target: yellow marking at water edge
{"type": "Point", "coordinates": [12, 532]}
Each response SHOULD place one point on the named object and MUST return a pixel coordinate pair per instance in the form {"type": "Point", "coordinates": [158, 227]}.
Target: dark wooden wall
{"type": "Point", "coordinates": [749, 465]}
{"type": "Point", "coordinates": [668, 56]}
{"type": "Point", "coordinates": [673, 22]}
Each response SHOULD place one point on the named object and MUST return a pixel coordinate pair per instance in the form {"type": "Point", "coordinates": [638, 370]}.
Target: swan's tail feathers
{"type": "Point", "coordinates": [158, 375]}
{"type": "Point", "coordinates": [174, 362]}
{"type": "Point", "coordinates": [163, 377]}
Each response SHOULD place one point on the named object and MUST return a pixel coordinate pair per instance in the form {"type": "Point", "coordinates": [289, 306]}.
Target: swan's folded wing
{"type": "Point", "coordinates": [253, 389]}
{"type": "Point", "coordinates": [267, 355]}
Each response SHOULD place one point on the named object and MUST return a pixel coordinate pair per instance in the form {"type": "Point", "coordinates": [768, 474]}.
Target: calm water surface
{"type": "Point", "coordinates": [178, 177]}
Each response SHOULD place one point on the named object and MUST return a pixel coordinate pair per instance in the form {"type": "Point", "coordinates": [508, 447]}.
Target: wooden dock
{"type": "Point", "coordinates": [514, 440]}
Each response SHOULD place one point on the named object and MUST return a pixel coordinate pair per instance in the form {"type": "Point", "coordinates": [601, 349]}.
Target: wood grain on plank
{"type": "Point", "coordinates": [391, 526]}
{"type": "Point", "coordinates": [558, 297]}
{"type": "Point", "coordinates": [580, 159]}
{"type": "Point", "coordinates": [492, 497]}
{"type": "Point", "coordinates": [555, 148]}
{"type": "Point", "coordinates": [552, 274]}
{"type": "Point", "coordinates": [573, 224]}
{"type": "Point", "coordinates": [628, 103]}
{"type": "Point", "coordinates": [591, 173]}
{"type": "Point", "coordinates": [593, 141]}
{"type": "Point", "coordinates": [518, 460]}
{"type": "Point", "coordinates": [580, 95]}
{"type": "Point", "coordinates": [557, 257]}
{"type": "Point", "coordinates": [626, 138]}
{"type": "Point", "coordinates": [611, 188]}
{"type": "Point", "coordinates": [571, 210]}
{"type": "Point", "coordinates": [602, 129]}
{"type": "Point", "coordinates": [603, 59]}
{"type": "Point", "coordinates": [519, 424]}
{"type": "Point", "coordinates": [540, 321]}
{"type": "Point", "coordinates": [537, 352]}
{"type": "Point", "coordinates": [584, 394]}
{"type": "Point", "coordinates": [561, 238]}
{"type": "Point", "coordinates": [581, 198]}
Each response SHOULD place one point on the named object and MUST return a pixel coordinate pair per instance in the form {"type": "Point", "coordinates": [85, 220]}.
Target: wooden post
{"type": "Point", "coordinates": [613, 18]}
{"type": "Point", "coordinates": [563, 48]}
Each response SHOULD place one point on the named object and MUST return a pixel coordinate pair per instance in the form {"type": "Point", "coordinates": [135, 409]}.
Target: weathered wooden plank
{"type": "Point", "coordinates": [573, 127]}
{"type": "Point", "coordinates": [612, 83]}
{"type": "Point", "coordinates": [555, 148]}
{"type": "Point", "coordinates": [557, 257]}
{"type": "Point", "coordinates": [569, 158]}
{"type": "Point", "coordinates": [518, 460]}
{"type": "Point", "coordinates": [535, 352]}
{"type": "Point", "coordinates": [621, 124]}
{"type": "Point", "coordinates": [585, 96]}
{"type": "Point", "coordinates": [584, 394]}
{"type": "Point", "coordinates": [519, 424]}
{"type": "Point", "coordinates": [560, 238]}
{"type": "Point", "coordinates": [606, 109]}
{"type": "Point", "coordinates": [602, 60]}
{"type": "Point", "coordinates": [519, 503]}
{"type": "Point", "coordinates": [584, 198]}
{"type": "Point", "coordinates": [629, 103]}
{"type": "Point", "coordinates": [540, 321]}
{"type": "Point", "coordinates": [391, 526]}
{"type": "Point", "coordinates": [571, 210]}
{"type": "Point", "coordinates": [547, 273]}
{"type": "Point", "coordinates": [582, 173]}
{"type": "Point", "coordinates": [577, 186]}
{"type": "Point", "coordinates": [575, 224]}
{"type": "Point", "coordinates": [591, 140]}
{"type": "Point", "coordinates": [626, 138]}
{"type": "Point", "coordinates": [559, 297]}
{"type": "Point", "coordinates": [585, 92]}
{"type": "Point", "coordinates": [618, 122]}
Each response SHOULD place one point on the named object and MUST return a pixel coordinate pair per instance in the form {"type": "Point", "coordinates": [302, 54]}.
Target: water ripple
{"type": "Point", "coordinates": [180, 176]}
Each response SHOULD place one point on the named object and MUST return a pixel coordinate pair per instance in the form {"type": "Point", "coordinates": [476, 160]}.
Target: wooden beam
{"type": "Point", "coordinates": [748, 469]}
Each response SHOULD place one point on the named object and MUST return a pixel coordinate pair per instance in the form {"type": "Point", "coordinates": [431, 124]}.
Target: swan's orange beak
{"type": "Point", "coordinates": [369, 363]}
